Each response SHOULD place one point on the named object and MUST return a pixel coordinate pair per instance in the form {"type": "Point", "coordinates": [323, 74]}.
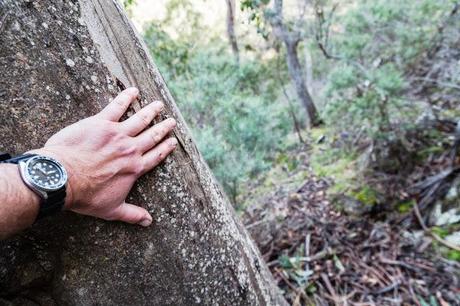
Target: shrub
{"type": "Point", "coordinates": [379, 43]}
{"type": "Point", "coordinates": [232, 109]}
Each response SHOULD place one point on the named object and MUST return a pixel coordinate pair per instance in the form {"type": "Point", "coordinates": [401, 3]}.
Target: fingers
{"type": "Point", "coordinates": [155, 156]}
{"type": "Point", "coordinates": [132, 214]}
{"type": "Point", "coordinates": [140, 120]}
{"type": "Point", "coordinates": [152, 136]}
{"type": "Point", "coordinates": [115, 109]}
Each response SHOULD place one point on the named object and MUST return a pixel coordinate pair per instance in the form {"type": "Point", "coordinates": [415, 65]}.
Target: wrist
{"type": "Point", "coordinates": [18, 193]}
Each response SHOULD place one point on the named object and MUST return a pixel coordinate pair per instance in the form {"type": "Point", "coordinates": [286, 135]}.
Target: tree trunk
{"type": "Point", "coordinates": [290, 38]}
{"type": "Point", "coordinates": [62, 61]}
{"type": "Point", "coordinates": [309, 72]}
{"type": "Point", "coordinates": [295, 71]}
{"type": "Point", "coordinates": [231, 29]}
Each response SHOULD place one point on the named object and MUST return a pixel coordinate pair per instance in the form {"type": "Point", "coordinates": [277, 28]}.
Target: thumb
{"type": "Point", "coordinates": [132, 214]}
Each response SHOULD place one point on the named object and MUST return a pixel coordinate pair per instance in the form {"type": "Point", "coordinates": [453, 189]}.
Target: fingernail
{"type": "Point", "coordinates": [160, 104]}
{"type": "Point", "coordinates": [133, 90]}
{"type": "Point", "coordinates": [173, 141]}
{"type": "Point", "coordinates": [145, 222]}
{"type": "Point", "coordinates": [172, 121]}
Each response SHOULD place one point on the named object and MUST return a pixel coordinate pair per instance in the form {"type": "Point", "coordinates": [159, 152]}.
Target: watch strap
{"type": "Point", "coordinates": [53, 204]}
{"type": "Point", "coordinates": [17, 159]}
{"type": "Point", "coordinates": [4, 156]}
{"type": "Point", "coordinates": [55, 200]}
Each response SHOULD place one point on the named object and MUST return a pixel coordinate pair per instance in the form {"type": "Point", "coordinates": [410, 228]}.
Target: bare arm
{"type": "Point", "coordinates": [18, 204]}
{"type": "Point", "coordinates": [103, 157]}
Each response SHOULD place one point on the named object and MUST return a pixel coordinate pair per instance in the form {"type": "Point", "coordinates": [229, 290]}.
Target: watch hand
{"type": "Point", "coordinates": [41, 170]}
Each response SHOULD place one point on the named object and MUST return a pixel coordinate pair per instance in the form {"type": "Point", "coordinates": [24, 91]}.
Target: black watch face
{"type": "Point", "coordinates": [46, 173]}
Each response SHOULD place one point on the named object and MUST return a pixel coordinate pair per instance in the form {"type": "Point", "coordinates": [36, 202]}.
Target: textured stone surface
{"type": "Point", "coordinates": [62, 61]}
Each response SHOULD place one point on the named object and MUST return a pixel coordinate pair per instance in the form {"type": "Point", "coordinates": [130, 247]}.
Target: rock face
{"type": "Point", "coordinates": [62, 61]}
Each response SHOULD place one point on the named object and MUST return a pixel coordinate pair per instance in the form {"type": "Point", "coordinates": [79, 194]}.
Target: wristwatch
{"type": "Point", "coordinates": [46, 177]}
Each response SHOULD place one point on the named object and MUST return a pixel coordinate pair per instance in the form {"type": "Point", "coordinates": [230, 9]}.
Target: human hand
{"type": "Point", "coordinates": [104, 157]}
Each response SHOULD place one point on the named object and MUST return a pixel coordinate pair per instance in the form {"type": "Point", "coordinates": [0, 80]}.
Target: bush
{"type": "Point", "coordinates": [379, 43]}
{"type": "Point", "coordinates": [232, 109]}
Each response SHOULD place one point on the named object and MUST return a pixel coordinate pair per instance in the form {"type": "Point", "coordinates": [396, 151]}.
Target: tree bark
{"type": "Point", "coordinates": [62, 61]}
{"type": "Point", "coordinates": [295, 71]}
{"type": "Point", "coordinates": [290, 38]}
{"type": "Point", "coordinates": [231, 29]}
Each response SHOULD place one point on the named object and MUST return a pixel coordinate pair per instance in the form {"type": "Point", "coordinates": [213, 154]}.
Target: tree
{"type": "Point", "coordinates": [290, 35]}
{"type": "Point", "coordinates": [381, 90]}
{"type": "Point", "coordinates": [231, 28]}
{"type": "Point", "coordinates": [291, 39]}
{"type": "Point", "coordinates": [62, 61]}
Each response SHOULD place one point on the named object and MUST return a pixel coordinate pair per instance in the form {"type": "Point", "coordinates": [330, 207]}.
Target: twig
{"type": "Point", "coordinates": [399, 263]}
{"type": "Point", "coordinates": [329, 287]}
{"type": "Point", "coordinates": [388, 288]}
{"type": "Point", "coordinates": [440, 83]}
{"type": "Point", "coordinates": [307, 253]}
{"type": "Point", "coordinates": [428, 231]}
{"type": "Point", "coordinates": [255, 223]}
{"type": "Point", "coordinates": [412, 293]}
{"type": "Point", "coordinates": [449, 262]}
{"type": "Point", "coordinates": [317, 256]}
{"type": "Point", "coordinates": [280, 273]}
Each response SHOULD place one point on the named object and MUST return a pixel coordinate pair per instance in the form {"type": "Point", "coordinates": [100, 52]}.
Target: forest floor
{"type": "Point", "coordinates": [320, 254]}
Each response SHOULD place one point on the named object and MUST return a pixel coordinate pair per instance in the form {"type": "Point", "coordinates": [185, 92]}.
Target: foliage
{"type": "Point", "coordinates": [257, 14]}
{"type": "Point", "coordinates": [335, 163]}
{"type": "Point", "coordinates": [366, 195]}
{"type": "Point", "coordinates": [406, 206]}
{"type": "Point", "coordinates": [231, 108]}
{"type": "Point", "coordinates": [293, 266]}
{"type": "Point", "coordinates": [378, 43]}
{"type": "Point", "coordinates": [453, 255]}
{"type": "Point", "coordinates": [128, 3]}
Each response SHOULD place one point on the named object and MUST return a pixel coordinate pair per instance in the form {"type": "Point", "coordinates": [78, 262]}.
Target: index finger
{"type": "Point", "coordinates": [115, 109]}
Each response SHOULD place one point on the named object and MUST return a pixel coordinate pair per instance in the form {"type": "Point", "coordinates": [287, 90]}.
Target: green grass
{"type": "Point", "coordinates": [333, 163]}
{"type": "Point", "coordinates": [405, 207]}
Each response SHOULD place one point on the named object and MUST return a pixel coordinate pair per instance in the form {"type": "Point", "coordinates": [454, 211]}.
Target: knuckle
{"type": "Point", "coordinates": [127, 148]}
{"type": "Point", "coordinates": [130, 150]}
{"type": "Point", "coordinates": [111, 129]}
{"type": "Point", "coordinates": [160, 156]}
{"type": "Point", "coordinates": [113, 215]}
{"type": "Point", "coordinates": [118, 150]}
{"type": "Point", "coordinates": [121, 145]}
{"type": "Point", "coordinates": [145, 118]}
{"type": "Point", "coordinates": [121, 101]}
{"type": "Point", "coordinates": [117, 139]}
{"type": "Point", "coordinates": [156, 136]}
{"type": "Point", "coordinates": [107, 132]}
{"type": "Point", "coordinates": [137, 167]}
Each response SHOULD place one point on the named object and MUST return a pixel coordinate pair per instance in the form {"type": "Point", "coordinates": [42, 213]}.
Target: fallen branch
{"type": "Point", "coordinates": [428, 231]}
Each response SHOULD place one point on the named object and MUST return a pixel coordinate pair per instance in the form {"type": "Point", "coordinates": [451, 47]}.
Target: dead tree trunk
{"type": "Point", "coordinates": [62, 61]}
{"type": "Point", "coordinates": [231, 29]}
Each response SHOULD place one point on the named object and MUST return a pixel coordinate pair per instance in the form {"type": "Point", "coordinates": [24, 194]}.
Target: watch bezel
{"type": "Point", "coordinates": [24, 166]}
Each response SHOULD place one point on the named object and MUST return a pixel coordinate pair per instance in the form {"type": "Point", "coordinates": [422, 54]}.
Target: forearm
{"type": "Point", "coordinates": [18, 204]}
